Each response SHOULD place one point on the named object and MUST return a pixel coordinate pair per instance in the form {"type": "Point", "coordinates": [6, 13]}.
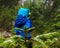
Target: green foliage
{"type": "Point", "coordinates": [9, 3]}
{"type": "Point", "coordinates": [1, 39]}
{"type": "Point", "coordinates": [12, 42]}
{"type": "Point", "coordinates": [46, 21]}
{"type": "Point", "coordinates": [7, 16]}
{"type": "Point", "coordinates": [49, 40]}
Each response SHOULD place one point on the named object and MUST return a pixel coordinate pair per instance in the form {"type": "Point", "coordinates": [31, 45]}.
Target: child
{"type": "Point", "coordinates": [21, 21]}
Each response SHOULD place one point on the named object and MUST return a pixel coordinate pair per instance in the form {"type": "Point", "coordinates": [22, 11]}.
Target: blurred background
{"type": "Point", "coordinates": [45, 17]}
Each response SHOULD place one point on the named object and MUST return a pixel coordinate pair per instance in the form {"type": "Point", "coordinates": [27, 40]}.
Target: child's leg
{"type": "Point", "coordinates": [28, 25]}
{"type": "Point", "coordinates": [18, 32]}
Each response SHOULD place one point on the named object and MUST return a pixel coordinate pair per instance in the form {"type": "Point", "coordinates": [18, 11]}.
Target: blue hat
{"type": "Point", "coordinates": [23, 12]}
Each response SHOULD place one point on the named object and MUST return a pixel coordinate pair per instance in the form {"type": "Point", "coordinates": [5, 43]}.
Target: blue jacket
{"type": "Point", "coordinates": [22, 20]}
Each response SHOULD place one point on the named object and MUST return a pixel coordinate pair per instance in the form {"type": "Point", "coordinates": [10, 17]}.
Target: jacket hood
{"type": "Point", "coordinates": [23, 12]}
